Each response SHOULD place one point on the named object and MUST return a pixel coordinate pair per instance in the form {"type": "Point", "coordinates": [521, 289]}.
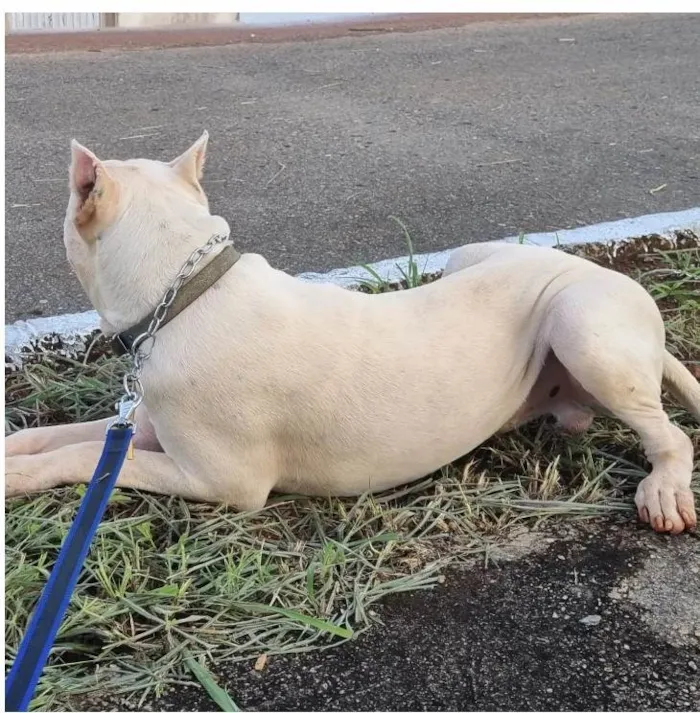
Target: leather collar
{"type": "Point", "coordinates": [197, 285]}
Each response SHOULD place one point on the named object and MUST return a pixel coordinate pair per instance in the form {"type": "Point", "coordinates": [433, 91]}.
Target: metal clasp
{"type": "Point", "coordinates": [126, 408]}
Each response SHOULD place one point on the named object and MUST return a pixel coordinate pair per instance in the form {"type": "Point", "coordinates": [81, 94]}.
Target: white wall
{"type": "Point", "coordinates": [166, 19]}
{"type": "Point", "coordinates": [47, 21]}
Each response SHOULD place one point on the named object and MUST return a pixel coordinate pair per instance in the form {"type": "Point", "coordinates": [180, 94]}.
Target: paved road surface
{"type": "Point", "coordinates": [466, 133]}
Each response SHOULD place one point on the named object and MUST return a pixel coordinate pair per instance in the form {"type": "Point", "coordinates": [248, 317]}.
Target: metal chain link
{"type": "Point", "coordinates": [133, 388]}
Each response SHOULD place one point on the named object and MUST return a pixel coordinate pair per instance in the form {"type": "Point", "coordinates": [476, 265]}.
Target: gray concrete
{"type": "Point", "coordinates": [467, 134]}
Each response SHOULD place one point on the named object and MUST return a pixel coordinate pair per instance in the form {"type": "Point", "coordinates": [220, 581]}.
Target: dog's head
{"type": "Point", "coordinates": [130, 225]}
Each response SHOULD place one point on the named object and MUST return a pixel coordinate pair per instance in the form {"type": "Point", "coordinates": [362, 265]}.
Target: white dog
{"type": "Point", "coordinates": [268, 383]}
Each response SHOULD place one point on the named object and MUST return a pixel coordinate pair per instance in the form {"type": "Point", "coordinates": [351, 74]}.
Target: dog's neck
{"type": "Point", "coordinates": [135, 273]}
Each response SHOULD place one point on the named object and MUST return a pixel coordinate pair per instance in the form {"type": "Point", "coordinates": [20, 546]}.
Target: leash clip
{"type": "Point", "coordinates": [126, 408]}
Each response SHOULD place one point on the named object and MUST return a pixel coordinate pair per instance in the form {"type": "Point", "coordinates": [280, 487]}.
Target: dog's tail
{"type": "Point", "coordinates": [681, 383]}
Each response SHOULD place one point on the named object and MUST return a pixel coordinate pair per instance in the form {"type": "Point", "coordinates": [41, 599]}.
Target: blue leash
{"type": "Point", "coordinates": [43, 625]}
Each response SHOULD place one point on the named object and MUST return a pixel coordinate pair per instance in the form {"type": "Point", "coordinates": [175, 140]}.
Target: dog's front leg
{"type": "Point", "coordinates": [49, 438]}
{"type": "Point", "coordinates": [75, 463]}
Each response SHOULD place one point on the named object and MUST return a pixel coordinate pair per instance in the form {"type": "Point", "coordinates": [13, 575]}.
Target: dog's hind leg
{"type": "Point", "coordinates": [49, 438]}
{"type": "Point", "coordinates": [622, 368]}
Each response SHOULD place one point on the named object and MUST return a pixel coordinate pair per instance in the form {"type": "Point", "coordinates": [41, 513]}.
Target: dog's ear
{"type": "Point", "coordinates": [190, 165]}
{"type": "Point", "coordinates": [88, 180]}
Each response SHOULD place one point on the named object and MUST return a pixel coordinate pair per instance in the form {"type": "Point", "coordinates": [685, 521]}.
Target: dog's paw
{"type": "Point", "coordinates": [665, 505]}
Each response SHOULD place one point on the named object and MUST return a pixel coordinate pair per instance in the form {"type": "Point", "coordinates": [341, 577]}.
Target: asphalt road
{"type": "Point", "coordinates": [466, 133]}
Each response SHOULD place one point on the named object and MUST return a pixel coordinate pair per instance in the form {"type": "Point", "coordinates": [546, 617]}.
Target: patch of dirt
{"type": "Point", "coordinates": [629, 256]}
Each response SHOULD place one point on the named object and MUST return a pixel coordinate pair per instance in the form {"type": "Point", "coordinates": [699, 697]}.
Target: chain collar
{"type": "Point", "coordinates": [142, 346]}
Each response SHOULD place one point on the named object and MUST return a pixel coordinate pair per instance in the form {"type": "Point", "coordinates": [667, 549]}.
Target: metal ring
{"type": "Point", "coordinates": [141, 340]}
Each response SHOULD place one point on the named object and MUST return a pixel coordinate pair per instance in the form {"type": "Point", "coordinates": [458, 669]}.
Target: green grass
{"type": "Point", "coordinates": [677, 279]}
{"type": "Point", "coordinates": [411, 275]}
{"type": "Point", "coordinates": [173, 588]}
{"type": "Point", "coordinates": [219, 695]}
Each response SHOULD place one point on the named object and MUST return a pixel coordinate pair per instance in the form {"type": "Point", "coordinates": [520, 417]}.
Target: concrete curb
{"type": "Point", "coordinates": [71, 334]}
